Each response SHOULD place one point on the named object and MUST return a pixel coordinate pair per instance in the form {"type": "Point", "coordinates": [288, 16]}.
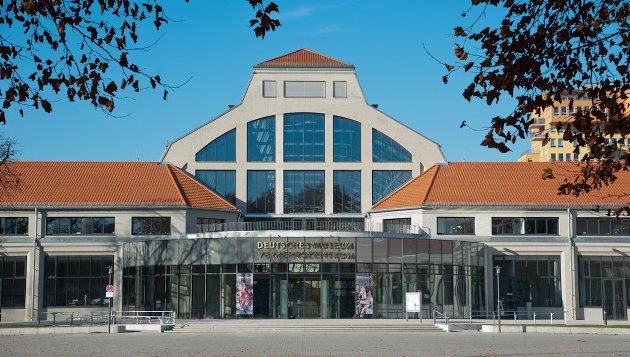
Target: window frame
{"type": "Point", "coordinates": [522, 226]}
{"type": "Point", "coordinates": [153, 222]}
{"type": "Point", "coordinates": [469, 219]}
{"type": "Point", "coordinates": [16, 225]}
{"type": "Point", "coordinates": [264, 87]}
{"type": "Point", "coordinates": [345, 89]}
{"type": "Point", "coordinates": [304, 95]}
{"type": "Point", "coordinates": [76, 224]}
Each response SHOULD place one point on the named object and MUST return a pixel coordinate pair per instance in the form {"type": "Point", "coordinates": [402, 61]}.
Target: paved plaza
{"type": "Point", "coordinates": [315, 344]}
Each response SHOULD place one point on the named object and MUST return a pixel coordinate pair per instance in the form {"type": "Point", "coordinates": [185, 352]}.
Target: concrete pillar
{"type": "Point", "coordinates": [568, 276]}
{"type": "Point", "coordinates": [117, 279]}
{"type": "Point", "coordinates": [489, 280]}
{"type": "Point", "coordinates": [34, 284]}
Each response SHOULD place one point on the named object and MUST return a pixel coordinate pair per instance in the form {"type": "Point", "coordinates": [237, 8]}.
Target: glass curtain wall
{"type": "Point", "coordinates": [311, 277]}
{"type": "Point", "coordinates": [605, 283]}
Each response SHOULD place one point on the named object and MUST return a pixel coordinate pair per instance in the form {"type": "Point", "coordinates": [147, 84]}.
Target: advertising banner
{"type": "Point", "coordinates": [244, 294]}
{"type": "Point", "coordinates": [364, 306]}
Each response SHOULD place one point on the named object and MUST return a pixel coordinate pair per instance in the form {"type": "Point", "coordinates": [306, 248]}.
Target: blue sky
{"type": "Point", "coordinates": [210, 43]}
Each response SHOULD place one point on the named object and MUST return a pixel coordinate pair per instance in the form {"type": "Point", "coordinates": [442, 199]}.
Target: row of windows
{"type": "Point", "coordinates": [535, 225]}
{"type": "Point", "coordinates": [304, 89]}
{"type": "Point", "coordinates": [303, 142]}
{"type": "Point", "coordinates": [565, 157]}
{"type": "Point", "coordinates": [13, 225]}
{"type": "Point", "coordinates": [500, 225]}
{"type": "Point", "coordinates": [572, 110]}
{"type": "Point", "coordinates": [303, 190]}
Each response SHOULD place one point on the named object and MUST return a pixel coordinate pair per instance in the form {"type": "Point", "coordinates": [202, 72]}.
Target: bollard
{"type": "Point", "coordinates": [91, 318]}
{"type": "Point", "coordinates": [71, 318]}
{"type": "Point", "coordinates": [551, 318]}
{"type": "Point", "coordinates": [534, 318]}
{"type": "Point", "coordinates": [54, 318]}
{"type": "Point", "coordinates": [515, 317]}
{"type": "Point", "coordinates": [471, 317]}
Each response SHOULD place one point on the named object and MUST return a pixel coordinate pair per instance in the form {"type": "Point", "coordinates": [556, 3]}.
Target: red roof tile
{"type": "Point", "coordinates": [304, 58]}
{"type": "Point", "coordinates": [501, 184]}
{"type": "Point", "coordinates": [106, 184]}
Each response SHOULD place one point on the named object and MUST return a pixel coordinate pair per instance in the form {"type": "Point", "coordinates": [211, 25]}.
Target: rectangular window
{"type": "Point", "coordinates": [560, 143]}
{"type": "Point", "coordinates": [269, 89]}
{"type": "Point", "coordinates": [560, 157]}
{"type": "Point", "coordinates": [571, 110]}
{"type": "Point", "coordinates": [556, 111]}
{"type": "Point", "coordinates": [455, 225]}
{"type": "Point", "coordinates": [532, 279]}
{"type": "Point", "coordinates": [304, 89]}
{"type": "Point", "coordinates": [77, 280]}
{"type": "Point", "coordinates": [347, 191]}
{"type": "Point", "coordinates": [397, 225]}
{"type": "Point", "coordinates": [553, 157]}
{"type": "Point", "coordinates": [523, 226]}
{"type": "Point", "coordinates": [261, 191]}
{"type": "Point", "coordinates": [576, 157]}
{"type": "Point", "coordinates": [151, 225]}
{"type": "Point", "coordinates": [12, 281]}
{"type": "Point", "coordinates": [603, 226]}
{"type": "Point", "coordinates": [340, 89]}
{"type": "Point", "coordinates": [80, 225]}
{"type": "Point", "coordinates": [205, 224]}
{"type": "Point", "coordinates": [13, 225]}
{"type": "Point", "coordinates": [303, 191]}
{"type": "Point", "coordinates": [222, 182]}
{"type": "Point", "coordinates": [563, 110]}
{"type": "Point", "coordinates": [304, 137]}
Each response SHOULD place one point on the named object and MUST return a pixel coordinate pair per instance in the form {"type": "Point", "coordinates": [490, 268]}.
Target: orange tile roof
{"type": "Point", "coordinates": [501, 184]}
{"type": "Point", "coordinates": [304, 58]}
{"type": "Point", "coordinates": [106, 184]}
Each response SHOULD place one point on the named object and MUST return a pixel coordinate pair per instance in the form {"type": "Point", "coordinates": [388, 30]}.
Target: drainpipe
{"type": "Point", "coordinates": [572, 246]}
{"type": "Point", "coordinates": [34, 264]}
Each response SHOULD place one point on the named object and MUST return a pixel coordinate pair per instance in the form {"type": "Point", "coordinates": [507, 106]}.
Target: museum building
{"type": "Point", "coordinates": [299, 202]}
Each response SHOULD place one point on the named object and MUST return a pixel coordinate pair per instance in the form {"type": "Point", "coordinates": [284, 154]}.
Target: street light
{"type": "Point", "coordinates": [497, 269]}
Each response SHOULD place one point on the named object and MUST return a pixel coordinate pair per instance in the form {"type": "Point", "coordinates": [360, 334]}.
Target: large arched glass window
{"type": "Point", "coordinates": [385, 149]}
{"type": "Point", "coordinates": [386, 181]}
{"type": "Point", "coordinates": [222, 182]}
{"type": "Point", "coordinates": [222, 148]}
{"type": "Point", "coordinates": [304, 137]}
{"type": "Point", "coordinates": [261, 140]}
{"type": "Point", "coordinates": [261, 191]}
{"type": "Point", "coordinates": [346, 140]}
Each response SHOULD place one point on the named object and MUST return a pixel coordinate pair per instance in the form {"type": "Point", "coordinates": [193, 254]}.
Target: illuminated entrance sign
{"type": "Point", "coordinates": [306, 250]}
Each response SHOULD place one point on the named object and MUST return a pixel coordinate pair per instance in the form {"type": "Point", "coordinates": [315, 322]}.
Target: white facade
{"type": "Point", "coordinates": [567, 245]}
{"type": "Point", "coordinates": [254, 105]}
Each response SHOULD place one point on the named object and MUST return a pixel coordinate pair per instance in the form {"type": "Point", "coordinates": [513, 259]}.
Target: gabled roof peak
{"type": "Point", "coordinates": [303, 58]}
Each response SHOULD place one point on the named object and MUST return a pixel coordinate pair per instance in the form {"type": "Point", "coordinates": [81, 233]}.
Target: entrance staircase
{"type": "Point", "coordinates": [334, 326]}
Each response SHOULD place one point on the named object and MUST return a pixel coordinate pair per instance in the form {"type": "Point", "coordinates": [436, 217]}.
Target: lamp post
{"type": "Point", "coordinates": [497, 269]}
{"type": "Point", "coordinates": [109, 316]}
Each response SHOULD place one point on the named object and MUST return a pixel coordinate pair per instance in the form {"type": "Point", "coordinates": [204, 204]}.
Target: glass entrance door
{"type": "Point", "coordinates": [312, 298]}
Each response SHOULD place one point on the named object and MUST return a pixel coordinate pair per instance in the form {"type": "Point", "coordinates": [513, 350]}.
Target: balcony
{"type": "Point", "coordinates": [537, 135]}
{"type": "Point", "coordinates": [307, 225]}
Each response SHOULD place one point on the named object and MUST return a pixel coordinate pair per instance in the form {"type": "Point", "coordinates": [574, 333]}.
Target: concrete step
{"type": "Point", "coordinates": [229, 328]}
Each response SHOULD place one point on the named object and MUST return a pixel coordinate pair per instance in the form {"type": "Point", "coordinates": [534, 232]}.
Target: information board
{"type": "Point", "coordinates": [412, 302]}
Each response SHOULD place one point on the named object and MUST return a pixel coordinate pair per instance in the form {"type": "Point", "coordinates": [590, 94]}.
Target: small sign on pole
{"type": "Point", "coordinates": [109, 291]}
{"type": "Point", "coordinates": [413, 304]}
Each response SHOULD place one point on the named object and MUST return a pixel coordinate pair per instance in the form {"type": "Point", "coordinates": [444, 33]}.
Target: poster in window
{"type": "Point", "coordinates": [364, 307]}
{"type": "Point", "coordinates": [244, 294]}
